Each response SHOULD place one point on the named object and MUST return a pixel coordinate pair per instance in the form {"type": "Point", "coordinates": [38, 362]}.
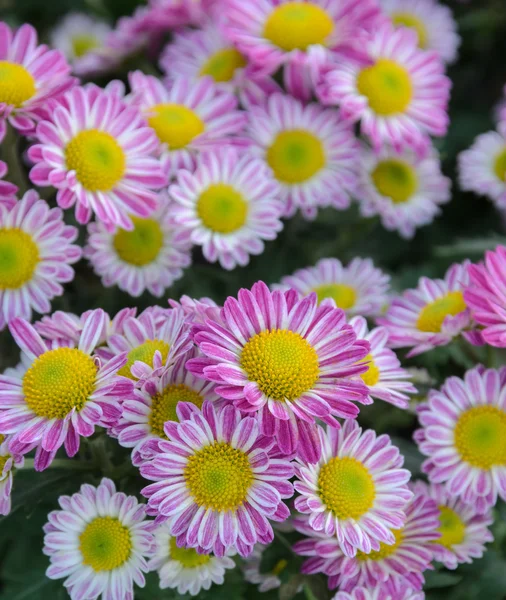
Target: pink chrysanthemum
{"type": "Point", "coordinates": [357, 491]}
{"type": "Point", "coordinates": [287, 360]}
{"type": "Point", "coordinates": [389, 94]}
{"type": "Point", "coordinates": [31, 76]}
{"type": "Point", "coordinates": [8, 190]}
{"type": "Point", "coordinates": [312, 153]}
{"type": "Point", "coordinates": [464, 435]}
{"type": "Point", "coordinates": [96, 151]}
{"type": "Point", "coordinates": [64, 393]}
{"type": "Point", "coordinates": [36, 252]}
{"type": "Point", "coordinates": [197, 310]}
{"type": "Point", "coordinates": [99, 543]}
{"type": "Point", "coordinates": [218, 481]}
{"type": "Point", "coordinates": [359, 288]}
{"type": "Point", "coordinates": [430, 315]}
{"type": "Point", "coordinates": [187, 116]}
{"type": "Point", "coordinates": [229, 206]}
{"type": "Point", "coordinates": [8, 462]}
{"type": "Point", "coordinates": [406, 190]}
{"type": "Point", "coordinates": [463, 532]}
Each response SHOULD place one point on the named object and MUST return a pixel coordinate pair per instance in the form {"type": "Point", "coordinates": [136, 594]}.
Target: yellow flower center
{"type": "Point", "coordinates": [19, 256]}
{"type": "Point", "coordinates": [222, 208]}
{"type": "Point", "coordinates": [346, 487]}
{"type": "Point", "coordinates": [145, 353]}
{"type": "Point", "coordinates": [82, 44]}
{"type": "Point", "coordinates": [395, 179]}
{"type": "Point", "coordinates": [432, 315]}
{"type": "Point", "coordinates": [97, 159]}
{"type": "Point", "coordinates": [219, 476]}
{"type": "Point", "coordinates": [3, 460]}
{"type": "Point", "coordinates": [385, 550]}
{"type": "Point", "coordinates": [372, 375]}
{"type": "Point", "coordinates": [480, 436]}
{"type": "Point", "coordinates": [188, 557]}
{"type": "Point", "coordinates": [343, 295]}
{"type": "Point", "coordinates": [387, 86]}
{"type": "Point", "coordinates": [295, 156]}
{"type": "Point", "coordinates": [222, 65]}
{"type": "Point", "coordinates": [281, 362]}
{"type": "Point", "coordinates": [452, 528]}
{"type": "Point", "coordinates": [17, 85]}
{"type": "Point", "coordinates": [500, 165]}
{"type": "Point", "coordinates": [175, 124]}
{"type": "Point", "coordinates": [58, 381]}
{"type": "Point", "coordinates": [105, 544]}
{"type": "Point", "coordinates": [142, 245]}
{"type": "Point", "coordinates": [297, 25]}
{"type": "Point", "coordinates": [163, 407]}
{"type": "Point", "coordinates": [403, 19]}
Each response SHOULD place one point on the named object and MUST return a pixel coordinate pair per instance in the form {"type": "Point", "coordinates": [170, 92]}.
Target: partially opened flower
{"type": "Point", "coordinates": [8, 462]}
{"type": "Point", "coordinates": [8, 190]}
{"type": "Point", "coordinates": [265, 580]}
{"type": "Point", "coordinates": [98, 543]}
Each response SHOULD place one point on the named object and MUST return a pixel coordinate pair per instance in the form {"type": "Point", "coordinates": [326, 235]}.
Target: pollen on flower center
{"type": "Point", "coordinates": [188, 557]}
{"type": "Point", "coordinates": [175, 124]}
{"type": "Point", "coordinates": [105, 544]}
{"type": "Point", "coordinates": [222, 65]}
{"type": "Point", "coordinates": [395, 179]}
{"type": "Point", "coordinates": [295, 156]}
{"type": "Point", "coordinates": [142, 245]}
{"type": "Point", "coordinates": [219, 476]}
{"type": "Point", "coordinates": [17, 85]}
{"type": "Point", "coordinates": [297, 25]}
{"type": "Point", "coordinates": [480, 436]}
{"type": "Point", "coordinates": [82, 44]}
{"type": "Point", "coordinates": [222, 208]}
{"type": "Point", "coordinates": [404, 19]}
{"type": "Point", "coordinates": [500, 165]}
{"type": "Point", "coordinates": [346, 487]}
{"type": "Point", "coordinates": [97, 158]}
{"type": "Point", "coordinates": [387, 86]}
{"type": "Point", "coordinates": [163, 407]}
{"type": "Point", "coordinates": [281, 362]}
{"type": "Point", "coordinates": [145, 353]}
{"type": "Point", "coordinates": [372, 375]}
{"type": "Point", "coordinates": [432, 315]}
{"type": "Point", "coordinates": [385, 550]}
{"type": "Point", "coordinates": [451, 528]}
{"type": "Point", "coordinates": [343, 295]}
{"type": "Point", "coordinates": [19, 256]}
{"type": "Point", "coordinates": [58, 381]}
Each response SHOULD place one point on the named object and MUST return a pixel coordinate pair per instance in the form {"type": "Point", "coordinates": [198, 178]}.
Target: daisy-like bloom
{"type": "Point", "coordinates": [31, 75]}
{"type": "Point", "coordinates": [252, 573]}
{"type": "Point", "coordinates": [8, 190]}
{"type": "Point", "coordinates": [8, 462]}
{"type": "Point", "coordinates": [463, 532]}
{"type": "Point", "coordinates": [99, 543]}
{"type": "Point", "coordinates": [357, 491]}
{"type": "Point", "coordinates": [405, 189]}
{"type": "Point", "coordinates": [379, 593]}
{"type": "Point", "coordinates": [430, 315]}
{"type": "Point", "coordinates": [432, 21]}
{"type": "Point", "coordinates": [464, 435]}
{"type": "Point", "coordinates": [36, 252]}
{"type": "Point", "coordinates": [358, 288]}
{"type": "Point", "coordinates": [482, 168]}
{"type": "Point", "coordinates": [218, 481]}
{"type": "Point", "coordinates": [185, 569]}
{"type": "Point", "coordinates": [312, 153]}
{"type": "Point", "coordinates": [96, 151]}
{"type": "Point", "coordinates": [390, 94]}
{"type": "Point", "coordinates": [287, 360]}
{"type": "Point", "coordinates": [229, 206]}
{"type": "Point", "coordinates": [187, 115]}
{"type": "Point", "coordinates": [63, 394]}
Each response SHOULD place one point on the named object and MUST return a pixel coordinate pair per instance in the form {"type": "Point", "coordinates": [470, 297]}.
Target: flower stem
{"type": "Point", "coordinates": [63, 463]}
{"type": "Point", "coordinates": [12, 156]}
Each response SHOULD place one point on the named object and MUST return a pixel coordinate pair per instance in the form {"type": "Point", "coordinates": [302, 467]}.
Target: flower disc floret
{"type": "Point", "coordinates": [164, 405]}
{"type": "Point", "coordinates": [17, 85]}
{"type": "Point", "coordinates": [142, 245]}
{"type": "Point", "coordinates": [19, 257]}
{"type": "Point", "coordinates": [175, 124]}
{"type": "Point", "coordinates": [385, 550]}
{"type": "Point", "coordinates": [223, 64]}
{"type": "Point", "coordinates": [451, 528]}
{"type": "Point", "coordinates": [433, 315]}
{"type": "Point", "coordinates": [342, 294]}
{"type": "Point", "coordinates": [188, 557]}
{"type": "Point", "coordinates": [105, 544]}
{"type": "Point", "coordinates": [395, 179]}
{"type": "Point", "coordinates": [480, 436]}
{"type": "Point", "coordinates": [296, 156]}
{"type": "Point", "coordinates": [387, 86]}
{"type": "Point", "coordinates": [222, 208]}
{"type": "Point", "coordinates": [145, 352]}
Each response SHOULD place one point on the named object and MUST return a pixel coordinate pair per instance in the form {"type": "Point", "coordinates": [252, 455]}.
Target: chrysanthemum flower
{"type": "Point", "coordinates": [197, 310]}
{"type": "Point", "coordinates": [96, 151]}
{"type": "Point", "coordinates": [463, 532]}
{"type": "Point", "coordinates": [406, 190]}
{"type": "Point", "coordinates": [482, 168]}
{"type": "Point", "coordinates": [229, 206]}
{"type": "Point", "coordinates": [8, 190]}
{"type": "Point", "coordinates": [185, 569]}
{"type": "Point", "coordinates": [287, 360]}
{"type": "Point", "coordinates": [99, 543]}
{"type": "Point", "coordinates": [357, 491]}
{"type": "Point", "coordinates": [36, 252]}
{"type": "Point", "coordinates": [430, 315]}
{"type": "Point", "coordinates": [432, 21]}
{"type": "Point", "coordinates": [187, 116]}
{"type": "Point", "coordinates": [464, 435]}
{"type": "Point", "coordinates": [31, 75]}
{"type": "Point", "coordinates": [312, 153]}
{"type": "Point", "coordinates": [218, 481]}
{"type": "Point", "coordinates": [252, 574]}
{"type": "Point", "coordinates": [400, 97]}
{"type": "Point", "coordinates": [8, 462]}
{"type": "Point", "coordinates": [359, 288]}
{"type": "Point", "coordinates": [63, 394]}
